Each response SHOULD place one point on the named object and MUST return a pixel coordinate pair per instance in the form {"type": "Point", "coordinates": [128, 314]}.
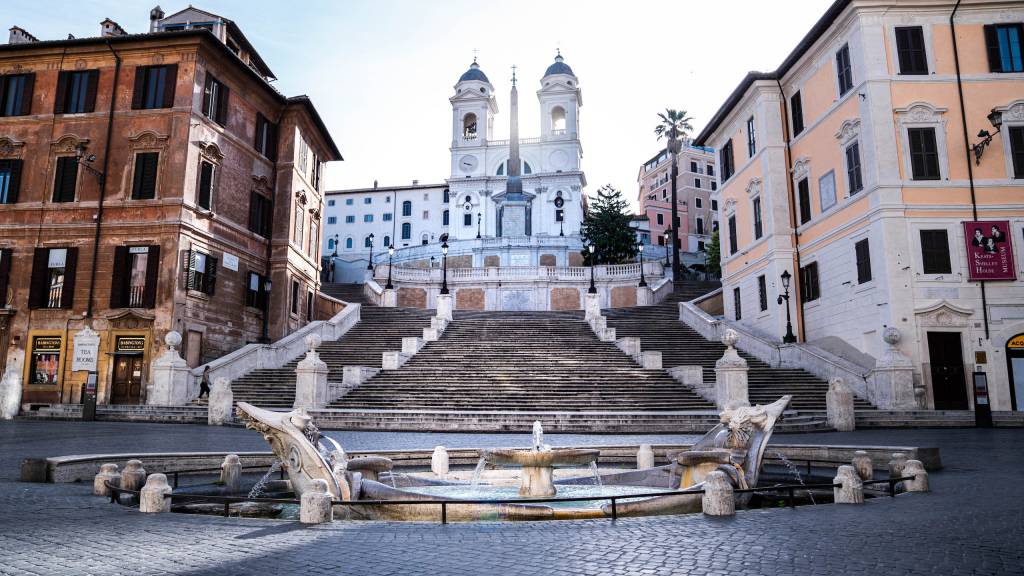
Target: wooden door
{"type": "Point", "coordinates": [127, 384]}
{"type": "Point", "coordinates": [949, 387]}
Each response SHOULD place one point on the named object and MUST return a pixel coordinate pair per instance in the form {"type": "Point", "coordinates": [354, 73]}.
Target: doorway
{"type": "Point", "coordinates": [127, 385]}
{"type": "Point", "coordinates": [1015, 370]}
{"type": "Point", "coordinates": [949, 388]}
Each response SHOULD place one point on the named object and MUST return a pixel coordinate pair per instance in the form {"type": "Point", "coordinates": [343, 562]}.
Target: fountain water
{"type": "Point", "coordinates": [597, 475]}
{"type": "Point", "coordinates": [796, 473]}
{"type": "Point", "coordinates": [258, 488]}
{"type": "Point", "coordinates": [538, 463]}
{"type": "Point", "coordinates": [478, 471]}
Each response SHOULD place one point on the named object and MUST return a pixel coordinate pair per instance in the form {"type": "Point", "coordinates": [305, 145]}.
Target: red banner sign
{"type": "Point", "coordinates": [989, 250]}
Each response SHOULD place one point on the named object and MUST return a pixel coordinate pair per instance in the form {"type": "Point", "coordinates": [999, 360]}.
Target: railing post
{"type": "Point", "coordinates": [175, 479]}
{"type": "Point", "coordinates": [790, 498]}
{"type": "Point", "coordinates": [808, 467]}
{"type": "Point", "coordinates": [615, 514]}
{"type": "Point", "coordinates": [444, 512]}
{"type": "Point", "coordinates": [227, 506]}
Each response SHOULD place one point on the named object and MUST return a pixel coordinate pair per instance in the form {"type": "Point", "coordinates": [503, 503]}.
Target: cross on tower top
{"type": "Point", "coordinates": [513, 74]}
{"type": "Point", "coordinates": [474, 55]}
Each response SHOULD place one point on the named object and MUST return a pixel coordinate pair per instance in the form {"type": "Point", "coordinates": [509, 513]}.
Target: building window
{"type": "Point", "coordinates": [424, 239]}
{"type": "Point", "coordinates": [298, 223]}
{"type": "Point", "coordinates": [367, 217]}
{"type": "Point", "coordinates": [700, 246]}
{"type": "Point", "coordinates": [1003, 42]}
{"type": "Point", "coordinates": [333, 220]}
{"type": "Point", "coordinates": [314, 237]}
{"type": "Point", "coordinates": [144, 179]}
{"type": "Point", "coordinates": [426, 197]}
{"type": "Point", "coordinates": [426, 215]}
{"type": "Point", "coordinates": [45, 367]}
{"type": "Point", "coordinates": [853, 175]}
{"type": "Point", "coordinates": [387, 241]}
{"type": "Point", "coordinates": [751, 138]}
{"type": "Point", "coordinates": [10, 181]}
{"type": "Point", "coordinates": [737, 307]}
{"type": "Point", "coordinates": [714, 225]}
{"type": "Point", "coordinates": [700, 226]}
{"type": "Point", "coordinates": [387, 217]}
{"type": "Point", "coordinates": [711, 170]}
{"type": "Point", "coordinates": [863, 253]}
{"type": "Point", "coordinates": [349, 244]}
{"type": "Point", "coordinates": [726, 161]}
{"type": "Point", "coordinates": [935, 252]}
{"type": "Point", "coordinates": [16, 94]}
{"type": "Point", "coordinates": [350, 219]}
{"type": "Point", "coordinates": [804, 193]}
{"type": "Point", "coordinates": [215, 100]}
{"type": "Point", "coordinates": [733, 242]}
{"type": "Point", "coordinates": [714, 205]}
{"type": "Point", "coordinates": [660, 219]}
{"type": "Point", "coordinates": [134, 278]}
{"type": "Point", "coordinates": [204, 196]}
{"type": "Point", "coordinates": [844, 71]}
{"type": "Point", "coordinates": [467, 219]}
{"type": "Point", "coordinates": [65, 179]}
{"type": "Point", "coordinates": [762, 293]}
{"type": "Point", "coordinates": [154, 87]}
{"type": "Point", "coordinates": [697, 202]}
{"type": "Point", "coordinates": [330, 202]}
{"type": "Point", "coordinates": [1016, 152]}
{"type": "Point", "coordinates": [255, 296]}
{"type": "Point", "coordinates": [758, 225]}
{"type": "Point", "coordinates": [368, 200]}
{"type": "Point", "coordinates": [827, 190]}
{"type": "Point", "coordinates": [910, 50]}
{"type": "Point", "coordinates": [330, 243]}
{"type": "Point", "coordinates": [202, 272]}
{"type": "Point", "coordinates": [796, 110]}
{"type": "Point", "coordinates": [407, 208]}
{"type": "Point", "coordinates": [76, 92]}
{"type": "Point", "coordinates": [295, 297]}
{"type": "Point", "coordinates": [696, 182]}
{"type": "Point", "coordinates": [348, 201]}
{"type": "Point", "coordinates": [367, 242]}
{"type": "Point", "coordinates": [444, 218]}
{"type": "Point", "coordinates": [559, 215]}
{"type": "Point", "coordinates": [714, 186]}
{"type": "Point", "coordinates": [309, 306]}
{"type": "Point", "coordinates": [447, 196]}
{"type": "Point", "coordinates": [809, 282]}
{"type": "Point", "coordinates": [266, 137]}
{"type": "Point", "coordinates": [406, 231]}
{"type": "Point", "coordinates": [924, 155]}
{"type": "Point", "coordinates": [53, 278]}
{"type": "Point", "coordinates": [693, 166]}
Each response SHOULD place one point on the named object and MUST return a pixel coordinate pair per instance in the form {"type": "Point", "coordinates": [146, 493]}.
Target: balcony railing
{"type": "Point", "coordinates": [652, 269]}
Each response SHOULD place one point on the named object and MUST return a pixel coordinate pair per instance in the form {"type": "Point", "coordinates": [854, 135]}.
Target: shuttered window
{"type": "Point", "coordinates": [6, 254]}
{"type": "Point", "coordinates": [910, 50]}
{"type": "Point", "coordinates": [154, 87]}
{"type": "Point", "coordinates": [853, 173]}
{"type": "Point", "coordinates": [726, 161]}
{"type": "Point", "coordinates": [924, 154]}
{"type": "Point", "coordinates": [16, 94]}
{"type": "Point", "coordinates": [266, 137]}
{"type": "Point", "coordinates": [255, 295]}
{"type": "Point", "coordinates": [804, 195]}
{"type": "Point", "coordinates": [844, 70]}
{"type": "Point", "coordinates": [65, 179]}
{"type": "Point", "coordinates": [215, 100]}
{"type": "Point", "coordinates": [1003, 44]}
{"type": "Point", "coordinates": [53, 278]}
{"type": "Point", "coordinates": [796, 110]}
{"type": "Point", "coordinates": [260, 213]}
{"type": "Point", "coordinates": [76, 92]}
{"type": "Point", "coordinates": [863, 252]}
{"type": "Point", "coordinates": [204, 196]}
{"type": "Point", "coordinates": [10, 181]}
{"type": "Point", "coordinates": [935, 252]}
{"type": "Point", "coordinates": [809, 282]}
{"type": "Point", "coordinates": [1017, 151]}
{"type": "Point", "coordinates": [134, 281]}
{"type": "Point", "coordinates": [144, 179]}
{"type": "Point", "coordinates": [733, 241]}
{"type": "Point", "coordinates": [758, 224]}
{"type": "Point", "coordinates": [762, 293]}
{"type": "Point", "coordinates": [737, 307]}
{"type": "Point", "coordinates": [201, 272]}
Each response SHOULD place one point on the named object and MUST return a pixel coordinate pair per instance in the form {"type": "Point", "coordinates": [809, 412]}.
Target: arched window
{"type": "Point", "coordinates": [406, 231]}
{"type": "Point", "coordinates": [558, 118]}
{"type": "Point", "coordinates": [425, 239]}
{"type": "Point", "coordinates": [387, 241]}
{"type": "Point", "coordinates": [367, 242]}
{"type": "Point", "coordinates": [446, 196]}
{"type": "Point", "coordinates": [330, 243]}
{"type": "Point", "coordinates": [444, 218]}
{"type": "Point", "coordinates": [469, 126]}
{"type": "Point", "coordinates": [527, 169]}
{"type": "Point", "coordinates": [407, 208]}
{"type": "Point", "coordinates": [348, 243]}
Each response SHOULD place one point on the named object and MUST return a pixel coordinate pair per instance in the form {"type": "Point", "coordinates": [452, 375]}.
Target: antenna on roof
{"type": "Point", "coordinates": [474, 55]}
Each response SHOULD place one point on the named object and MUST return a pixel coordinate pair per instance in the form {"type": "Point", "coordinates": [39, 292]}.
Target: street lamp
{"type": "Point", "coordinates": [789, 338]}
{"type": "Point", "coordinates": [444, 265]}
{"type": "Point", "coordinates": [640, 249]}
{"type": "Point", "coordinates": [369, 265]}
{"type": "Point", "coordinates": [477, 225]}
{"type": "Point", "coordinates": [335, 255]}
{"type": "Point", "coordinates": [265, 338]}
{"type": "Point", "coordinates": [668, 249]}
{"type": "Point", "coordinates": [85, 161]}
{"type": "Point", "coordinates": [996, 119]}
{"type": "Point", "coordinates": [391, 255]}
{"type": "Point", "coordinates": [593, 288]}
{"type": "Point", "coordinates": [674, 147]}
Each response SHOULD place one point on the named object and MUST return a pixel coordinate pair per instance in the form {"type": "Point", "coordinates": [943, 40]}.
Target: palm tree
{"type": "Point", "coordinates": [675, 124]}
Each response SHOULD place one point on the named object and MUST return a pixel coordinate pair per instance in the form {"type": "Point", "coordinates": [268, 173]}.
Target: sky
{"type": "Point", "coordinates": [380, 72]}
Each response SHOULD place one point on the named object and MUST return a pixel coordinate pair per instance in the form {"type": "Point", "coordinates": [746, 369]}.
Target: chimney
{"type": "Point", "coordinates": [374, 183]}
{"type": "Point", "coordinates": [415, 182]}
{"type": "Point", "coordinates": [21, 36]}
{"type": "Point", "coordinates": [110, 28]}
{"type": "Point", "coordinates": [155, 15]}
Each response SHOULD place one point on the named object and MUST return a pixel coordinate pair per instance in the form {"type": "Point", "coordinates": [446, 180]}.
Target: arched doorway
{"type": "Point", "coordinates": [1015, 370]}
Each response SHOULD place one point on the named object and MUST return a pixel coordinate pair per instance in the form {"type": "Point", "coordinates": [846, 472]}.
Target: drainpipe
{"type": "Point", "coordinates": [801, 332]}
{"type": "Point", "coordinates": [270, 239]}
{"type": "Point", "coordinates": [103, 180]}
{"type": "Point", "coordinates": [967, 148]}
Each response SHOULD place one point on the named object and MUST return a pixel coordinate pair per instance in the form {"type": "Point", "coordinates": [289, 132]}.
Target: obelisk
{"type": "Point", "coordinates": [514, 210]}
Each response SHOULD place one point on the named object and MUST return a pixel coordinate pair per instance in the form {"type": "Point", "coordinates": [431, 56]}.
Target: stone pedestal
{"type": "Point", "coordinates": [892, 380]}
{"type": "Point", "coordinates": [630, 345]}
{"type": "Point", "coordinates": [390, 298]}
{"type": "Point", "coordinates": [153, 498]}
{"type": "Point", "coordinates": [439, 462]}
{"type": "Point", "coordinates": [598, 324]}
{"type": "Point", "coordinates": [311, 378]}
{"type": "Point", "coordinates": [731, 375]}
{"type": "Point", "coordinates": [650, 359]}
{"type": "Point", "coordinates": [644, 296]}
{"type": "Point", "coordinates": [10, 394]}
{"type": "Point", "coordinates": [221, 401]}
{"type": "Point", "coordinates": [108, 473]}
{"type": "Point", "coordinates": [170, 384]}
{"type": "Point", "coordinates": [863, 465]}
{"type": "Point", "coordinates": [897, 464]}
{"type": "Point", "coordinates": [920, 482]}
{"type": "Point", "coordinates": [354, 376]}
{"type": "Point", "coordinates": [231, 473]}
{"type": "Point", "coordinates": [393, 360]}
{"type": "Point", "coordinates": [133, 475]}
{"type": "Point", "coordinates": [438, 324]}
{"type": "Point", "coordinates": [537, 482]}
{"type": "Point", "coordinates": [591, 306]}
{"type": "Point", "coordinates": [644, 457]}
{"type": "Point", "coordinates": [607, 335]}
{"type": "Point", "coordinates": [431, 334]}
{"type": "Point", "coordinates": [717, 499]}
{"type": "Point", "coordinates": [852, 489]}
{"type": "Point", "coordinates": [412, 344]}
{"type": "Point", "coordinates": [315, 504]}
{"type": "Point", "coordinates": [445, 307]}
{"type": "Point", "coordinates": [839, 406]}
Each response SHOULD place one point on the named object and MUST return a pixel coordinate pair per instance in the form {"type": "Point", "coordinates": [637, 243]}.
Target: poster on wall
{"type": "Point", "coordinates": [989, 250]}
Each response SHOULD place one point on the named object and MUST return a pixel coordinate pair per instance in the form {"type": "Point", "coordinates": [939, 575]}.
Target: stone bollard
{"type": "Point", "coordinates": [896, 465]}
{"type": "Point", "coordinates": [153, 497]}
{"type": "Point", "coordinates": [644, 457]}
{"type": "Point", "coordinates": [315, 507]}
{"type": "Point", "coordinates": [108, 473]}
{"type": "Point", "coordinates": [133, 476]}
{"type": "Point", "coordinates": [916, 469]}
{"type": "Point", "coordinates": [221, 401]}
{"type": "Point", "coordinates": [231, 473]}
{"type": "Point", "coordinates": [731, 374]}
{"type": "Point", "coordinates": [717, 499]}
{"type": "Point", "coordinates": [439, 462]}
{"type": "Point", "coordinates": [863, 465]}
{"type": "Point", "coordinates": [852, 489]}
{"type": "Point", "coordinates": [839, 406]}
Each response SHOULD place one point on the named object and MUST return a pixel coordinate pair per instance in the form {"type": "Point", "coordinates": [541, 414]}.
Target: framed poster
{"type": "Point", "coordinates": [989, 245]}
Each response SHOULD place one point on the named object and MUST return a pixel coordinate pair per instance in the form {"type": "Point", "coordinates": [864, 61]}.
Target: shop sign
{"type": "Point", "coordinates": [989, 250]}
{"type": "Point", "coordinates": [131, 344]}
{"type": "Point", "coordinates": [86, 350]}
{"type": "Point", "coordinates": [1017, 342]}
{"type": "Point", "coordinates": [46, 344]}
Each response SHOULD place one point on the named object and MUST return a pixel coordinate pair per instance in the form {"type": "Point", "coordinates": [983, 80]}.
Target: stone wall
{"type": "Point", "coordinates": [623, 297]}
{"type": "Point", "coordinates": [412, 298]}
{"type": "Point", "coordinates": [548, 260]}
{"type": "Point", "coordinates": [469, 299]}
{"type": "Point", "coordinates": [575, 259]}
{"type": "Point", "coordinates": [492, 260]}
{"type": "Point", "coordinates": [565, 299]}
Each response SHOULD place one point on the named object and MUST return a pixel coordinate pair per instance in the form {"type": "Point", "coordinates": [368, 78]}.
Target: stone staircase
{"type": "Point", "coordinates": [346, 293]}
{"type": "Point", "coordinates": [659, 328]}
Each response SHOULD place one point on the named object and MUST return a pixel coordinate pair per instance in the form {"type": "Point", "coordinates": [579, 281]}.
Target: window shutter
{"type": "Point", "coordinates": [152, 272]}
{"type": "Point", "coordinates": [261, 124]}
{"type": "Point", "coordinates": [169, 84]}
{"type": "Point", "coordinates": [205, 185]}
{"type": "Point", "coordinates": [12, 186]}
{"type": "Point", "coordinates": [140, 87]}
{"type": "Point", "coordinates": [64, 180]}
{"type": "Point", "coordinates": [26, 95]}
{"type": "Point", "coordinates": [62, 92]}
{"type": "Point", "coordinates": [149, 164]}
{"type": "Point", "coordinates": [211, 275]}
{"type": "Point", "coordinates": [67, 295]}
{"type": "Point", "coordinates": [272, 143]}
{"type": "Point", "coordinates": [254, 212]}
{"type": "Point", "coordinates": [190, 270]}
{"type": "Point", "coordinates": [90, 90]}
{"type": "Point", "coordinates": [222, 105]}
{"type": "Point", "coordinates": [38, 289]}
{"type": "Point", "coordinates": [5, 273]}
{"type": "Point", "coordinates": [119, 280]}
{"type": "Point", "coordinates": [268, 214]}
{"type": "Point", "coordinates": [206, 96]}
{"type": "Point", "coordinates": [992, 47]}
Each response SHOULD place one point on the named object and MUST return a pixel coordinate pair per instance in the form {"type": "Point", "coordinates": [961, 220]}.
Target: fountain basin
{"type": "Point", "coordinates": [538, 465]}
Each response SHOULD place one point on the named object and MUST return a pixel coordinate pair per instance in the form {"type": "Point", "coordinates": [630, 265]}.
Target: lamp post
{"type": "Point", "coordinates": [265, 338]}
{"type": "Point", "coordinates": [674, 147]}
{"type": "Point", "coordinates": [335, 255]}
{"type": "Point", "coordinates": [391, 255]}
{"type": "Point", "coordinates": [789, 338]}
{"type": "Point", "coordinates": [369, 265]}
{"type": "Point", "coordinates": [996, 119]}
{"type": "Point", "coordinates": [593, 288]}
{"type": "Point", "coordinates": [640, 250]}
{"type": "Point", "coordinates": [444, 266]}
{"type": "Point", "coordinates": [668, 249]}
{"type": "Point", "coordinates": [478, 215]}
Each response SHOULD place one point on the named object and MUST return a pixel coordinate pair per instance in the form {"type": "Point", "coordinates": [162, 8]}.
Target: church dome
{"type": "Point", "coordinates": [474, 73]}
{"type": "Point", "coordinates": [559, 67]}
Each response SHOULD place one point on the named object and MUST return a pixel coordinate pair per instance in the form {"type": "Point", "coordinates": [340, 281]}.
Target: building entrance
{"type": "Point", "coordinates": [1015, 369]}
{"type": "Point", "coordinates": [127, 385]}
{"type": "Point", "coordinates": [947, 371]}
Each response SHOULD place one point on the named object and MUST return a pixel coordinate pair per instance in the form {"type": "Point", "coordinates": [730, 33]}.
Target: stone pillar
{"type": "Point", "coordinates": [439, 462]}
{"type": "Point", "coordinates": [231, 473]}
{"type": "Point", "coordinates": [863, 465]}
{"type": "Point", "coordinates": [311, 378]}
{"type": "Point", "coordinates": [892, 380]}
{"type": "Point", "coordinates": [431, 334]}
{"type": "Point", "coordinates": [221, 401]}
{"type": "Point", "coordinates": [852, 489]}
{"type": "Point", "coordinates": [731, 374]}
{"type": "Point", "coordinates": [592, 306]}
{"type": "Point", "coordinates": [315, 506]}
{"type": "Point", "coordinates": [393, 360]}
{"type": "Point", "coordinates": [153, 497]}
{"type": "Point", "coordinates": [630, 345]}
{"type": "Point", "coordinates": [169, 386]}
{"type": "Point", "coordinates": [916, 469]}
{"type": "Point", "coordinates": [650, 359]}
{"type": "Point", "coordinates": [10, 394]}
{"type": "Point", "coordinates": [390, 298]}
{"type": "Point", "coordinates": [896, 465]}
{"type": "Point", "coordinates": [644, 457]}
{"type": "Point", "coordinates": [108, 473]}
{"type": "Point", "coordinates": [412, 344]}
{"type": "Point", "coordinates": [644, 296]}
{"type": "Point", "coordinates": [839, 406]}
{"type": "Point", "coordinates": [438, 324]}
{"type": "Point", "coordinates": [717, 499]}
{"type": "Point", "coordinates": [444, 306]}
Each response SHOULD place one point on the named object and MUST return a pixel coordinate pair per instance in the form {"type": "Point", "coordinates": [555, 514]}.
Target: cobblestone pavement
{"type": "Point", "coordinates": [972, 523]}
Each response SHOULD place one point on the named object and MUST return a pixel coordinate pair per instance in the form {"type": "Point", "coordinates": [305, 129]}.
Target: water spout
{"type": "Point", "coordinates": [258, 488]}
{"type": "Point", "coordinates": [538, 436]}
{"type": "Point", "coordinates": [795, 473]}
{"type": "Point", "coordinates": [597, 475]}
{"type": "Point", "coordinates": [478, 470]}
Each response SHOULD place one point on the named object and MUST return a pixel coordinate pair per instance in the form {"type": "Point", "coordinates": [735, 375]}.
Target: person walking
{"type": "Point", "coordinates": [204, 384]}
